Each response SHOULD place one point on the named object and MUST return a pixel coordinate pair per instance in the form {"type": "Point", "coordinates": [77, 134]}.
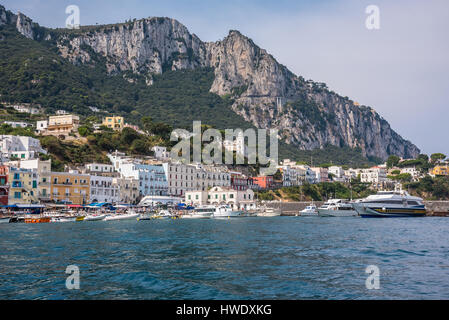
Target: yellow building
{"type": "Point", "coordinates": [70, 187]}
{"type": "Point", "coordinates": [23, 186]}
{"type": "Point", "coordinates": [440, 171]}
{"type": "Point", "coordinates": [115, 123]}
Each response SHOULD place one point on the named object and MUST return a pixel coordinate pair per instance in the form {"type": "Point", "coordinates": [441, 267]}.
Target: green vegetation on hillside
{"type": "Point", "coordinates": [318, 192]}
{"type": "Point", "coordinates": [33, 72]}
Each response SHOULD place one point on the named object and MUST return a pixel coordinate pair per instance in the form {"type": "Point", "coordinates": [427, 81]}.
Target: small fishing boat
{"type": "Point", "coordinates": [79, 218]}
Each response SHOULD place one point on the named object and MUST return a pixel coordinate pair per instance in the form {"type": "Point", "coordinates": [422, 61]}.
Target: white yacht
{"type": "Point", "coordinates": [201, 212]}
{"type": "Point", "coordinates": [309, 211]}
{"type": "Point", "coordinates": [337, 208]}
{"type": "Point", "coordinates": [124, 216]}
{"type": "Point", "coordinates": [94, 217]}
{"type": "Point", "coordinates": [225, 211]}
{"type": "Point", "coordinates": [269, 212]}
{"type": "Point", "coordinates": [390, 204]}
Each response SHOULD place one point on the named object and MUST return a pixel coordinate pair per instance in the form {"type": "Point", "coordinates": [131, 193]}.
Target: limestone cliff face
{"type": "Point", "coordinates": [264, 92]}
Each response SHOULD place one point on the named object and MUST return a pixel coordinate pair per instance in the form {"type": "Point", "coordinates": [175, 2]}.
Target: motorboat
{"type": "Point", "coordinates": [94, 217]}
{"type": "Point", "coordinates": [390, 204]}
{"type": "Point", "coordinates": [63, 219]}
{"type": "Point", "coordinates": [5, 219]}
{"type": "Point", "coordinates": [225, 211]}
{"type": "Point", "coordinates": [201, 212]}
{"type": "Point", "coordinates": [124, 216]}
{"type": "Point", "coordinates": [269, 212]}
{"type": "Point", "coordinates": [337, 208]}
{"type": "Point", "coordinates": [309, 211]}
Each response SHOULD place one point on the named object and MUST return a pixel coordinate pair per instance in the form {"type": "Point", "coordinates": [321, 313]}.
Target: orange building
{"type": "Point", "coordinates": [263, 182]}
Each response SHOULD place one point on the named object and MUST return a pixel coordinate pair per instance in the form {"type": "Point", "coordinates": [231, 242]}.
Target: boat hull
{"type": "Point", "coordinates": [229, 214]}
{"type": "Point", "coordinates": [122, 217]}
{"type": "Point", "coordinates": [337, 213]}
{"type": "Point", "coordinates": [95, 218]}
{"type": "Point", "coordinates": [377, 212]}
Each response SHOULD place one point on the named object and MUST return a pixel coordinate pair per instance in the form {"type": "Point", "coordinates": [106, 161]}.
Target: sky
{"type": "Point", "coordinates": [401, 70]}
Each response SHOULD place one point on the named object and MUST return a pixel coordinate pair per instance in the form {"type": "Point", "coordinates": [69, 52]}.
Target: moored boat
{"type": "Point", "coordinates": [94, 217]}
{"type": "Point", "coordinates": [337, 208]}
{"type": "Point", "coordinates": [309, 211]}
{"type": "Point", "coordinates": [63, 219]}
{"type": "Point", "coordinates": [37, 220]}
{"type": "Point", "coordinates": [124, 216]}
{"type": "Point", "coordinates": [269, 212]}
{"type": "Point", "coordinates": [387, 204]}
{"type": "Point", "coordinates": [201, 212]}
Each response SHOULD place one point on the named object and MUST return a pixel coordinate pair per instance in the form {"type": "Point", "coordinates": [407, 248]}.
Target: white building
{"type": "Point", "coordinates": [25, 108]}
{"type": "Point", "coordinates": [102, 189]}
{"type": "Point", "coordinates": [61, 112]}
{"type": "Point", "coordinates": [152, 179]}
{"type": "Point", "coordinates": [41, 125]}
{"type": "Point", "coordinates": [20, 147]}
{"type": "Point", "coordinates": [161, 152]}
{"type": "Point", "coordinates": [292, 175]}
{"type": "Point", "coordinates": [17, 124]}
{"type": "Point", "coordinates": [237, 199]}
{"type": "Point", "coordinates": [128, 189]}
{"type": "Point", "coordinates": [415, 173]}
{"type": "Point", "coordinates": [373, 175]}
{"type": "Point", "coordinates": [188, 177]}
{"type": "Point", "coordinates": [100, 168]}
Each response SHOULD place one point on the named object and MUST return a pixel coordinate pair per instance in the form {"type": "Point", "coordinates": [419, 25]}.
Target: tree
{"type": "Point", "coordinates": [393, 161]}
{"type": "Point", "coordinates": [437, 156]}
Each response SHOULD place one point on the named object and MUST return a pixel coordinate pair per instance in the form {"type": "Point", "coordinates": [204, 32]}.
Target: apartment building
{"type": "Point", "coordinates": [4, 186]}
{"type": "Point", "coordinates": [43, 169]}
{"type": "Point", "coordinates": [70, 187]}
{"type": "Point", "coordinates": [236, 199]}
{"type": "Point", "coordinates": [128, 189]}
{"type": "Point", "coordinates": [115, 123]}
{"type": "Point", "coordinates": [19, 147]}
{"type": "Point", "coordinates": [23, 186]}
{"type": "Point", "coordinates": [61, 125]}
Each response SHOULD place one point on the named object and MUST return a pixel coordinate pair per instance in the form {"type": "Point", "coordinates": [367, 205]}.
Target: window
{"type": "Point", "coordinates": [17, 195]}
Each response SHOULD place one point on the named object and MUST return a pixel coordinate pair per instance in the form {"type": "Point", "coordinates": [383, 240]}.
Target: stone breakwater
{"type": "Point", "coordinates": [434, 208]}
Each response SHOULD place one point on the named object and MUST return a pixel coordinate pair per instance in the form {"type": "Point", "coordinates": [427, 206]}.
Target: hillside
{"type": "Point", "coordinates": [156, 67]}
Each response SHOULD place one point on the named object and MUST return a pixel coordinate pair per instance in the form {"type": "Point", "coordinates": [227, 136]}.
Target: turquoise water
{"type": "Point", "coordinates": [244, 258]}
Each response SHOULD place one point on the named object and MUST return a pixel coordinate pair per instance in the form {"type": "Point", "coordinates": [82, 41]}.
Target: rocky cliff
{"type": "Point", "coordinates": [263, 91]}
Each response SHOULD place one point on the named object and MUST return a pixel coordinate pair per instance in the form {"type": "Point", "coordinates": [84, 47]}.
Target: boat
{"type": "Point", "coordinates": [390, 204]}
{"type": "Point", "coordinates": [225, 211]}
{"type": "Point", "coordinates": [201, 212]}
{"type": "Point", "coordinates": [269, 212]}
{"type": "Point", "coordinates": [17, 220]}
{"type": "Point", "coordinates": [63, 219]}
{"type": "Point", "coordinates": [79, 218]}
{"type": "Point", "coordinates": [337, 208]}
{"type": "Point", "coordinates": [95, 217]}
{"type": "Point", "coordinates": [38, 220]}
{"type": "Point", "coordinates": [163, 214]}
{"type": "Point", "coordinates": [5, 219]}
{"type": "Point", "coordinates": [309, 211]}
{"type": "Point", "coordinates": [124, 216]}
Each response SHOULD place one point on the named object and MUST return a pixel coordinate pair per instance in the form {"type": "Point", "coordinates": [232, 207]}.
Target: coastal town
{"type": "Point", "coordinates": [26, 179]}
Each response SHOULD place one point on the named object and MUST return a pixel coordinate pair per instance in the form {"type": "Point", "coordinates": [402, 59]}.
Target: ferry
{"type": "Point", "coordinates": [309, 211]}
{"type": "Point", "coordinates": [337, 208]}
{"type": "Point", "coordinates": [390, 204]}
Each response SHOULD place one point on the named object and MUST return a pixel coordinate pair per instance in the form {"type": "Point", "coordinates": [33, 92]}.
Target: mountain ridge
{"type": "Point", "coordinates": [261, 90]}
